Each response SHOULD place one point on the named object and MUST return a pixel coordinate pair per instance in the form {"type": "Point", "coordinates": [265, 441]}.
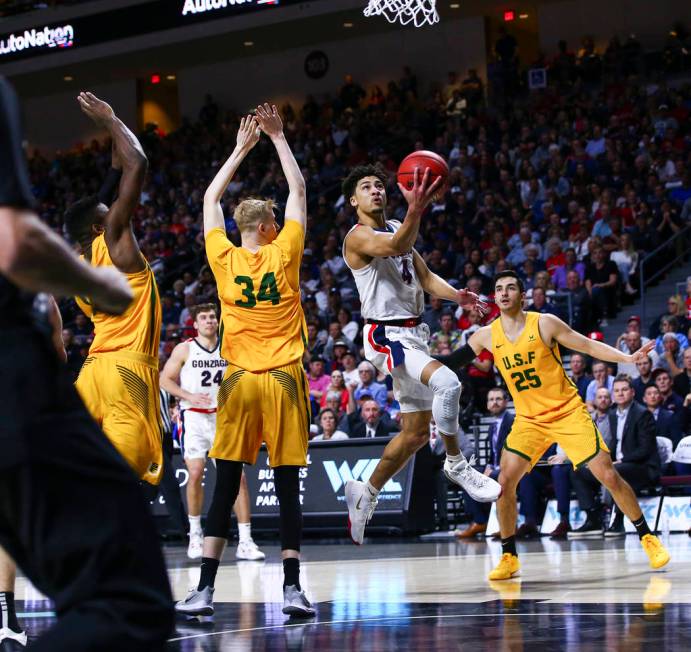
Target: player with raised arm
{"type": "Point", "coordinates": [118, 381]}
{"type": "Point", "coordinates": [391, 279]}
{"type": "Point", "coordinates": [72, 515]}
{"type": "Point", "coordinates": [548, 410]}
{"type": "Point", "coordinates": [264, 395]}
{"type": "Point", "coordinates": [193, 374]}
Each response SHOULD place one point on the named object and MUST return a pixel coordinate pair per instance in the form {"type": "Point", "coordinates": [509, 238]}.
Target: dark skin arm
{"type": "Point", "coordinates": [128, 153]}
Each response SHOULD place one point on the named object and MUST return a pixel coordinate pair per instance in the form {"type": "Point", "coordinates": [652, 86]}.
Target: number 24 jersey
{"type": "Point", "coordinates": [533, 373]}
{"type": "Point", "coordinates": [202, 372]}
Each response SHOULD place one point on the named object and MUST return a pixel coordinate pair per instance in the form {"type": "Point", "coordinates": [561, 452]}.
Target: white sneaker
{"type": "Point", "coordinates": [361, 505]}
{"type": "Point", "coordinates": [296, 604]}
{"type": "Point", "coordinates": [196, 546]}
{"type": "Point", "coordinates": [11, 635]}
{"type": "Point", "coordinates": [249, 550]}
{"type": "Point", "coordinates": [479, 486]}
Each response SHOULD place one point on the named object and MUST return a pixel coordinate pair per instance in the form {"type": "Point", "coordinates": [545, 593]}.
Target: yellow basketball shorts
{"type": "Point", "coordinates": [575, 433]}
{"type": "Point", "coordinates": [120, 391]}
{"type": "Point", "coordinates": [268, 406]}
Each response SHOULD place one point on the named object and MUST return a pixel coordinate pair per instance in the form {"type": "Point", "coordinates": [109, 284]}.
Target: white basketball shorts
{"type": "Point", "coordinates": [401, 353]}
{"type": "Point", "coordinates": [198, 432]}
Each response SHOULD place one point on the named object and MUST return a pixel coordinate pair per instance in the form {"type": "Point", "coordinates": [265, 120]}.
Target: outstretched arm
{"type": "Point", "coordinates": [436, 286]}
{"type": "Point", "coordinates": [122, 244]}
{"type": "Point", "coordinates": [248, 136]}
{"type": "Point", "coordinates": [365, 241]}
{"type": "Point", "coordinates": [554, 329]}
{"type": "Point", "coordinates": [480, 340]}
{"type": "Point", "coordinates": [270, 123]}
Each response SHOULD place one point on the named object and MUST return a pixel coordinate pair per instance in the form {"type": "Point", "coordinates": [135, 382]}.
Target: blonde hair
{"type": "Point", "coordinates": [250, 212]}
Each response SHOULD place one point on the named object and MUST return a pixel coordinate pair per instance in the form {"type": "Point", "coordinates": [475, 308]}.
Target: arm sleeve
{"type": "Point", "coordinates": [461, 358]}
{"type": "Point", "coordinates": [109, 189]}
{"type": "Point", "coordinates": [217, 249]}
{"type": "Point", "coordinates": [15, 188]}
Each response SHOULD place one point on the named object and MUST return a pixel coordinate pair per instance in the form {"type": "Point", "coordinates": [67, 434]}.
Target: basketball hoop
{"type": "Point", "coordinates": [417, 12]}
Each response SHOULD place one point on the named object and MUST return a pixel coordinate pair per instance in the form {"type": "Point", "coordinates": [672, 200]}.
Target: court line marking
{"type": "Point", "coordinates": [364, 620]}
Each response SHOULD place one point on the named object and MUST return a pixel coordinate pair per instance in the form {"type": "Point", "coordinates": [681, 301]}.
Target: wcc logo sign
{"type": "Point", "coordinates": [361, 470]}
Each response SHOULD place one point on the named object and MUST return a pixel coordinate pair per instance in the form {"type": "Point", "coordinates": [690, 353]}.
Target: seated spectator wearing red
{"type": "Point", "coordinates": [601, 283]}
{"type": "Point", "coordinates": [336, 386]}
{"type": "Point", "coordinates": [633, 446]}
{"type": "Point", "coordinates": [670, 401]}
{"type": "Point", "coordinates": [668, 424]}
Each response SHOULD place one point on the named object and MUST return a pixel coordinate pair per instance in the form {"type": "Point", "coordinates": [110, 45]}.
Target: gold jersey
{"type": "Point", "coordinates": [262, 322]}
{"type": "Point", "coordinates": [533, 372]}
{"type": "Point", "coordinates": [138, 329]}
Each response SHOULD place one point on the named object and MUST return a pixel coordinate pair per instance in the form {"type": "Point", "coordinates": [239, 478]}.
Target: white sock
{"type": "Point", "coordinates": [195, 524]}
{"type": "Point", "coordinates": [244, 532]}
{"type": "Point", "coordinates": [455, 458]}
{"type": "Point", "coordinates": [374, 492]}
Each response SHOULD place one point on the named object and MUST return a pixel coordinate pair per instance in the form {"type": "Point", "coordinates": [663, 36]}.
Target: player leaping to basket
{"type": "Point", "coordinates": [391, 279]}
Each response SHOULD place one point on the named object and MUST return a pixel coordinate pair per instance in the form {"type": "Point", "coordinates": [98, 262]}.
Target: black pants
{"type": "Point", "coordinates": [586, 485]}
{"type": "Point", "coordinates": [170, 488]}
{"type": "Point", "coordinates": [74, 518]}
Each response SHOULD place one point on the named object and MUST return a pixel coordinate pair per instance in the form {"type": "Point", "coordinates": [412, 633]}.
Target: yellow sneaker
{"type": "Point", "coordinates": [507, 567]}
{"type": "Point", "coordinates": [656, 552]}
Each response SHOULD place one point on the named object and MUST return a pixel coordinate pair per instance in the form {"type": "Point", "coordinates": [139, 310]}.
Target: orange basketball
{"type": "Point", "coordinates": [422, 159]}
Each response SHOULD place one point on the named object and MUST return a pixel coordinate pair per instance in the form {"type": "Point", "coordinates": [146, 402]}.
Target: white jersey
{"type": "Point", "coordinates": [202, 372]}
{"type": "Point", "coordinates": [388, 287]}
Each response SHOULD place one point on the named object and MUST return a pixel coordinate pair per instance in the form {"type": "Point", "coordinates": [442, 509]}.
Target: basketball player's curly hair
{"type": "Point", "coordinates": [360, 172]}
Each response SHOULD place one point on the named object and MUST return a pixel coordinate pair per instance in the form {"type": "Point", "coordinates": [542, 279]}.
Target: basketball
{"type": "Point", "coordinates": [422, 159]}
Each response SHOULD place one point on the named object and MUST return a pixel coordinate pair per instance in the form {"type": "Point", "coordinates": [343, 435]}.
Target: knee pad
{"type": "Point", "coordinates": [447, 393]}
{"type": "Point", "coordinates": [287, 483]}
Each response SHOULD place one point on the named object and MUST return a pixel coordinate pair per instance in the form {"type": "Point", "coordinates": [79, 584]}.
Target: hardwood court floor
{"type": "Point", "coordinates": [414, 595]}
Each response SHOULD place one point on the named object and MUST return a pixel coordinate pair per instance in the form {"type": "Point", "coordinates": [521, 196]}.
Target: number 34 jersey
{"type": "Point", "coordinates": [262, 323]}
{"type": "Point", "coordinates": [533, 372]}
{"type": "Point", "coordinates": [202, 372]}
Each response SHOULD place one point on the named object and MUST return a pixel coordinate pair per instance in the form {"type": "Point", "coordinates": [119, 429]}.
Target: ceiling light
{"type": "Point", "coordinates": [522, 16]}
{"type": "Point", "coordinates": [454, 5]}
{"type": "Point", "coordinates": [170, 77]}
{"type": "Point", "coordinates": [347, 24]}
{"type": "Point", "coordinates": [248, 44]}
{"type": "Point", "coordinates": [68, 78]}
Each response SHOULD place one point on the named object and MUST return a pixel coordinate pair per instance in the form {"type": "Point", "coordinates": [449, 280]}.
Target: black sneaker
{"type": "Point", "coordinates": [589, 530]}
{"type": "Point", "coordinates": [617, 529]}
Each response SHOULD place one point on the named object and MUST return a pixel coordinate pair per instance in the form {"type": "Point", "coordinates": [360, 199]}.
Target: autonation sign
{"type": "Point", "coordinates": [32, 39]}
{"type": "Point", "coordinates": [201, 6]}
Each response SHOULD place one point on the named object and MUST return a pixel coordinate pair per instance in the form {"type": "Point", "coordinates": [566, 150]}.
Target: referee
{"type": "Point", "coordinates": [72, 514]}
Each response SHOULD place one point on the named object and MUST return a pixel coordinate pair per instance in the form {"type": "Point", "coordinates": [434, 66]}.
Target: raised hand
{"type": "Point", "coordinates": [642, 353]}
{"type": "Point", "coordinates": [248, 133]}
{"type": "Point", "coordinates": [470, 301]}
{"type": "Point", "coordinates": [422, 192]}
{"type": "Point", "coordinates": [269, 120]}
{"type": "Point", "coordinates": [99, 111]}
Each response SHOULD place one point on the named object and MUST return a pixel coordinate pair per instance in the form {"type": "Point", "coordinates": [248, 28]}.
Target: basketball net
{"type": "Point", "coordinates": [417, 12]}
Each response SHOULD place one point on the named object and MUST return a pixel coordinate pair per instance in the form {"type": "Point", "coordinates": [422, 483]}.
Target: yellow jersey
{"type": "Point", "coordinates": [533, 372]}
{"type": "Point", "coordinates": [139, 327]}
{"type": "Point", "coordinates": [262, 322]}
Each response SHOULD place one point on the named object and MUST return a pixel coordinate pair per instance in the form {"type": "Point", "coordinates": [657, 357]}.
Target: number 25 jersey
{"type": "Point", "coordinates": [262, 322]}
{"type": "Point", "coordinates": [533, 372]}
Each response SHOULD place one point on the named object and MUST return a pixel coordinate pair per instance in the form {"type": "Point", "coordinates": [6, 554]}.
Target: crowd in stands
{"type": "Point", "coordinates": [572, 186]}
